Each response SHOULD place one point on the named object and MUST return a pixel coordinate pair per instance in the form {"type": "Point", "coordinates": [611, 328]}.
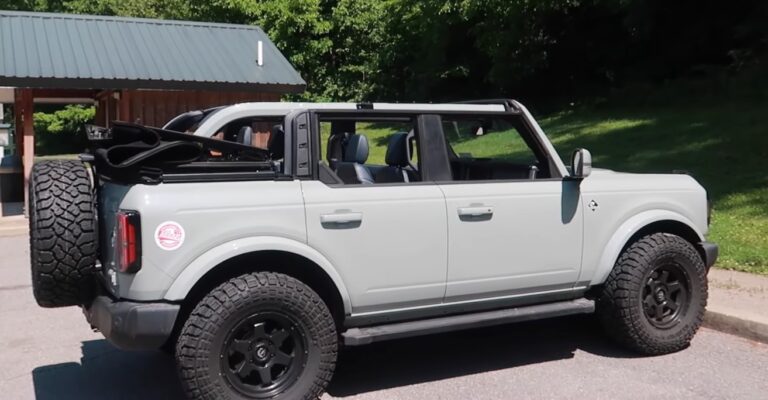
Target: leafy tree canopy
{"type": "Point", "coordinates": [447, 49]}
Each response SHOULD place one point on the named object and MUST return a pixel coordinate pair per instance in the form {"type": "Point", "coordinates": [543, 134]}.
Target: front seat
{"type": "Point", "coordinates": [398, 161]}
{"type": "Point", "coordinates": [351, 169]}
{"type": "Point", "coordinates": [335, 148]}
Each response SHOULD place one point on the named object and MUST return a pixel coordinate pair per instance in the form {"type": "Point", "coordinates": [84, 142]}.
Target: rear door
{"type": "Point", "coordinates": [514, 225]}
{"type": "Point", "coordinates": [387, 240]}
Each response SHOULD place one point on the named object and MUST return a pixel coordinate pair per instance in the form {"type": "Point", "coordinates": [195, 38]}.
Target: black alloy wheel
{"type": "Point", "coordinates": [665, 295]}
{"type": "Point", "coordinates": [264, 354]}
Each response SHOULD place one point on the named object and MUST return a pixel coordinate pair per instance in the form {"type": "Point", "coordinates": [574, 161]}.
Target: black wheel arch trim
{"type": "Point", "coordinates": [709, 252]}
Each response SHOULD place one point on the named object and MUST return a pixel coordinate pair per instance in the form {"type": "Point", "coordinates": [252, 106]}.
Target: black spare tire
{"type": "Point", "coordinates": [62, 233]}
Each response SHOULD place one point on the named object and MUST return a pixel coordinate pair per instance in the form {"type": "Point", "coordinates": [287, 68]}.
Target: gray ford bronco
{"type": "Point", "coordinates": [253, 241]}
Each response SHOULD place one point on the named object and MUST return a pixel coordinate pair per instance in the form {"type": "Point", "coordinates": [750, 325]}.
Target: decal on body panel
{"type": "Point", "coordinates": [169, 235]}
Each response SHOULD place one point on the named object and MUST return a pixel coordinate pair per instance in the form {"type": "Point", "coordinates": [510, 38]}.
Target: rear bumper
{"type": "Point", "coordinates": [132, 326]}
{"type": "Point", "coordinates": [710, 252]}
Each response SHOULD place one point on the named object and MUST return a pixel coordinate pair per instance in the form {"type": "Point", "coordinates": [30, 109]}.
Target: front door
{"type": "Point", "coordinates": [512, 238]}
{"type": "Point", "coordinates": [514, 225]}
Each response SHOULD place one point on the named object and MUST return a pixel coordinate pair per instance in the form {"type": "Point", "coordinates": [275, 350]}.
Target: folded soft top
{"type": "Point", "coordinates": [131, 152]}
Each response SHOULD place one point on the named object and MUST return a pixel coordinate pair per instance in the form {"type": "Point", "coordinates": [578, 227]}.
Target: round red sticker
{"type": "Point", "coordinates": [169, 235]}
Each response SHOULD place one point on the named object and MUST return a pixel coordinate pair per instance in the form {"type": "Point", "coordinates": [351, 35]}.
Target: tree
{"type": "Point", "coordinates": [61, 131]}
{"type": "Point", "coordinates": [434, 50]}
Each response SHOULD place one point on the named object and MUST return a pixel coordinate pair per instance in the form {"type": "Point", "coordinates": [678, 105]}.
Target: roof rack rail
{"type": "Point", "coordinates": [509, 104]}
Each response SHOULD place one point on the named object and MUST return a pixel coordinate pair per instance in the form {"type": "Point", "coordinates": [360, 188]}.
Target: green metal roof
{"type": "Point", "coordinates": [96, 52]}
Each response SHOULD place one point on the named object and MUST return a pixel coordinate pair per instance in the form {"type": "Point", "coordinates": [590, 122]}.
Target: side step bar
{"type": "Point", "coordinates": [366, 335]}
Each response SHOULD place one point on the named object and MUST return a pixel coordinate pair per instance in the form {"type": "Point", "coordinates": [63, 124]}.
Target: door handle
{"type": "Point", "coordinates": [475, 213]}
{"type": "Point", "coordinates": [346, 219]}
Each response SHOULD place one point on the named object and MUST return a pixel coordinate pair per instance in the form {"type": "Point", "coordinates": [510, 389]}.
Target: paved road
{"type": "Point", "coordinates": [51, 354]}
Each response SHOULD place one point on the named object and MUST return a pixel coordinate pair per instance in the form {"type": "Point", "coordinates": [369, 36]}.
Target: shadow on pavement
{"type": "Point", "coordinates": [105, 372]}
{"type": "Point", "coordinates": [431, 358]}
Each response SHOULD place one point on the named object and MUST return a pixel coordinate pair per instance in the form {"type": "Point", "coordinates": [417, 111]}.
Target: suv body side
{"type": "Point", "coordinates": [381, 269]}
{"type": "Point", "coordinates": [256, 261]}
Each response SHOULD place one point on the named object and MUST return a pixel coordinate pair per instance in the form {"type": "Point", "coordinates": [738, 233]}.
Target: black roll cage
{"type": "Point", "coordinates": [432, 149]}
{"type": "Point", "coordinates": [303, 150]}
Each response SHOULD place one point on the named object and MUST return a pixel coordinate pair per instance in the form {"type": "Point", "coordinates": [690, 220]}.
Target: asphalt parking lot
{"type": "Point", "coordinates": [52, 354]}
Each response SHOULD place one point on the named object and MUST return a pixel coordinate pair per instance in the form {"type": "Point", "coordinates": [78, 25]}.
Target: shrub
{"type": "Point", "coordinates": [61, 131]}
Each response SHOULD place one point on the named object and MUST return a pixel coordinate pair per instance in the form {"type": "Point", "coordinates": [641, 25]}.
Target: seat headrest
{"type": "Point", "coordinates": [356, 149]}
{"type": "Point", "coordinates": [245, 136]}
{"type": "Point", "coordinates": [398, 150]}
{"type": "Point", "coordinates": [276, 143]}
{"type": "Point", "coordinates": [335, 147]}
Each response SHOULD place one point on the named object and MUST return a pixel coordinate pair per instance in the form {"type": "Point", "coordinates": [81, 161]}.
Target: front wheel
{"type": "Point", "coordinates": [654, 298]}
{"type": "Point", "coordinates": [258, 336]}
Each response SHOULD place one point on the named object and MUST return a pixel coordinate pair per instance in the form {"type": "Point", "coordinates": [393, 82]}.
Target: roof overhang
{"type": "Point", "coordinates": [71, 83]}
{"type": "Point", "coordinates": [69, 51]}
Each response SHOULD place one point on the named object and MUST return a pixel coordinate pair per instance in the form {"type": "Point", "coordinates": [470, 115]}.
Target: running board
{"type": "Point", "coordinates": [366, 335]}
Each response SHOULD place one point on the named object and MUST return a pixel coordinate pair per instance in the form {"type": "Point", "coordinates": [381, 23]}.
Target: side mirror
{"type": "Point", "coordinates": [581, 164]}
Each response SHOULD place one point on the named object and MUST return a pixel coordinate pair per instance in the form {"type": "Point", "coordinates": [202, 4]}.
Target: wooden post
{"type": "Point", "coordinates": [28, 135]}
{"type": "Point", "coordinates": [124, 106]}
{"type": "Point", "coordinates": [18, 135]}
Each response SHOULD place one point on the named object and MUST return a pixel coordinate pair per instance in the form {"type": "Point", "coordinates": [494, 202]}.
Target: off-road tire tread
{"type": "Point", "coordinates": [194, 343]}
{"type": "Point", "coordinates": [618, 305]}
{"type": "Point", "coordinates": [62, 233]}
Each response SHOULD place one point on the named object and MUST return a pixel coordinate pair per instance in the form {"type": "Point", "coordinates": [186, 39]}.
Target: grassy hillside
{"type": "Point", "coordinates": [724, 145]}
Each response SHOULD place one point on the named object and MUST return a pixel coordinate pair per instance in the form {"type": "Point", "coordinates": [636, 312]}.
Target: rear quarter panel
{"type": "Point", "coordinates": [211, 214]}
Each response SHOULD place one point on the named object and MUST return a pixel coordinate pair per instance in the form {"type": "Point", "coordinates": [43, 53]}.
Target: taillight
{"type": "Point", "coordinates": [128, 243]}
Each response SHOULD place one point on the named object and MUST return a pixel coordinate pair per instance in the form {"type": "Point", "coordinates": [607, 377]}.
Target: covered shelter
{"type": "Point", "coordinates": [132, 69]}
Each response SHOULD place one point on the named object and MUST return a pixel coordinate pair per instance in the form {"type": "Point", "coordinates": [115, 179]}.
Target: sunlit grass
{"type": "Point", "coordinates": [56, 157]}
{"type": "Point", "coordinates": [740, 225]}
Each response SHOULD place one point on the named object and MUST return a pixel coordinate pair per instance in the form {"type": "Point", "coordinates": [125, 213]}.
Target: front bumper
{"type": "Point", "coordinates": [710, 252]}
{"type": "Point", "coordinates": [132, 326]}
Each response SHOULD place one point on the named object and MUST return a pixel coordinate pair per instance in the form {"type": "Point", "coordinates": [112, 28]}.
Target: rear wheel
{"type": "Point", "coordinates": [258, 336]}
{"type": "Point", "coordinates": [654, 299]}
{"type": "Point", "coordinates": [62, 233]}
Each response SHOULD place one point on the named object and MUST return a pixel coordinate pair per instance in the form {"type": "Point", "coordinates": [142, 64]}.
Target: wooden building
{"type": "Point", "coordinates": [131, 69]}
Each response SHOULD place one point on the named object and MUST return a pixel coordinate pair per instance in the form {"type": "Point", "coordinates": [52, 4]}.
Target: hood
{"type": "Point", "coordinates": [606, 179]}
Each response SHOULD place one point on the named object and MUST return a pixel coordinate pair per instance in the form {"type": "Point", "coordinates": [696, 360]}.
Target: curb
{"type": "Point", "coordinates": [744, 328]}
{"type": "Point", "coordinates": [13, 226]}
{"type": "Point", "coordinates": [9, 232]}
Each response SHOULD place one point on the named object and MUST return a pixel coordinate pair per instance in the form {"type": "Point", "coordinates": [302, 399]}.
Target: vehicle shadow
{"type": "Point", "coordinates": [105, 372]}
{"type": "Point", "coordinates": [431, 358]}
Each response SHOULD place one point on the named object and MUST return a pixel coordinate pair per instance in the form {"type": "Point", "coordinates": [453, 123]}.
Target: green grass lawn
{"type": "Point", "coordinates": [724, 145]}
{"type": "Point", "coordinates": [56, 157]}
